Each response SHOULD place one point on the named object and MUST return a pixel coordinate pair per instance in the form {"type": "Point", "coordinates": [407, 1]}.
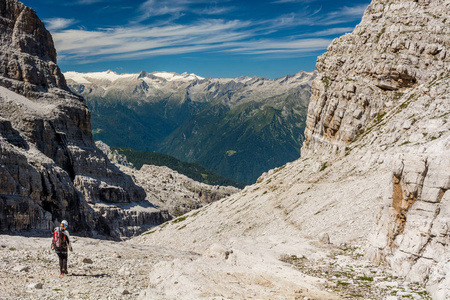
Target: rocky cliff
{"type": "Point", "coordinates": [399, 46]}
{"type": "Point", "coordinates": [384, 89]}
{"type": "Point", "coordinates": [374, 172]}
{"type": "Point", "coordinates": [50, 168]}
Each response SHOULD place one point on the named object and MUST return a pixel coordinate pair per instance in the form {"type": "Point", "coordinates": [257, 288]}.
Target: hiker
{"type": "Point", "coordinates": [61, 243]}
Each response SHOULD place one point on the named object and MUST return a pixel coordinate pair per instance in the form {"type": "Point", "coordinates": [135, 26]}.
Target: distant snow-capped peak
{"type": "Point", "coordinates": [86, 78]}
{"type": "Point", "coordinates": [174, 76]}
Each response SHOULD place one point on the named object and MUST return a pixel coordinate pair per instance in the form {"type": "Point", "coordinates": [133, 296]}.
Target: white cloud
{"type": "Point", "coordinates": [178, 8]}
{"type": "Point", "coordinates": [344, 14]}
{"type": "Point", "coordinates": [275, 46]}
{"type": "Point", "coordinates": [138, 41]}
{"type": "Point", "coordinates": [293, 1]}
{"type": "Point", "coordinates": [87, 2]}
{"type": "Point", "coordinates": [56, 24]}
{"type": "Point", "coordinates": [141, 41]}
{"type": "Point", "coordinates": [327, 32]}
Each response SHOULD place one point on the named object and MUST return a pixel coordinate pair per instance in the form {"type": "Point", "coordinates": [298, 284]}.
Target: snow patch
{"type": "Point", "coordinates": [83, 78]}
{"type": "Point", "coordinates": [174, 76]}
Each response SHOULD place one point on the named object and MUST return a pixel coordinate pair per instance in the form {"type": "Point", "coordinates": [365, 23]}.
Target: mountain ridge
{"type": "Point", "coordinates": [173, 114]}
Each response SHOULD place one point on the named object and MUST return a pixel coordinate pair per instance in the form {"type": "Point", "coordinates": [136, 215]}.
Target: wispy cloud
{"type": "Point", "coordinates": [345, 14]}
{"type": "Point", "coordinates": [293, 1]}
{"type": "Point", "coordinates": [178, 8]}
{"type": "Point", "coordinates": [138, 40]}
{"type": "Point", "coordinates": [87, 2]}
{"type": "Point", "coordinates": [276, 46]}
{"type": "Point", "coordinates": [326, 32]}
{"type": "Point", "coordinates": [57, 24]}
{"type": "Point", "coordinates": [141, 41]}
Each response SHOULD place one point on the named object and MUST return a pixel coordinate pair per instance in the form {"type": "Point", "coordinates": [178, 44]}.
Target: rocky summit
{"type": "Point", "coordinates": [166, 188]}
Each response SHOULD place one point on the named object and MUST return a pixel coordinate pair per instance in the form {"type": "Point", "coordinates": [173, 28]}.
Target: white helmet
{"type": "Point", "coordinates": [64, 224]}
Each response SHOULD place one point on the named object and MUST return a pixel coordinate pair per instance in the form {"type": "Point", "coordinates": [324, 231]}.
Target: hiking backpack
{"type": "Point", "coordinates": [59, 238]}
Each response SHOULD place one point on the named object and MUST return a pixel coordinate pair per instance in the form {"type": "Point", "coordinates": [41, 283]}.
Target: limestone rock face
{"type": "Point", "coordinates": [385, 88]}
{"type": "Point", "coordinates": [50, 168]}
{"type": "Point", "coordinates": [27, 51]}
{"type": "Point", "coordinates": [397, 46]}
{"type": "Point", "coordinates": [391, 76]}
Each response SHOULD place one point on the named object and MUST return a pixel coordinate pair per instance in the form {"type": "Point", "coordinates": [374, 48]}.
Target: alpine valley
{"type": "Point", "coordinates": [237, 127]}
{"type": "Point", "coordinates": [364, 213]}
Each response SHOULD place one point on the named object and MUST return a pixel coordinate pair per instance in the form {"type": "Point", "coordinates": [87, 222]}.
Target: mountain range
{"type": "Point", "coordinates": [238, 127]}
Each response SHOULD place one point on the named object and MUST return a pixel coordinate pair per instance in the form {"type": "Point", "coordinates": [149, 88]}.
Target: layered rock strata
{"type": "Point", "coordinates": [50, 168]}
{"type": "Point", "coordinates": [398, 45]}
{"type": "Point", "coordinates": [391, 74]}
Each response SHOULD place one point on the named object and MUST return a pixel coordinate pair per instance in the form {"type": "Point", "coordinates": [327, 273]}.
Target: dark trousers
{"type": "Point", "coordinates": [62, 261]}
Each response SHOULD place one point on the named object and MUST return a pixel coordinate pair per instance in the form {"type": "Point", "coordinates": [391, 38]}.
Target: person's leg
{"type": "Point", "coordinates": [65, 263]}
{"type": "Point", "coordinates": [61, 262]}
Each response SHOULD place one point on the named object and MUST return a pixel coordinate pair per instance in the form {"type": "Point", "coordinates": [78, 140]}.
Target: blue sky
{"type": "Point", "coordinates": [221, 38]}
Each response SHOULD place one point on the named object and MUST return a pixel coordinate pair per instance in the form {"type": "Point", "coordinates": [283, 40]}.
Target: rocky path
{"type": "Point", "coordinates": [98, 269]}
{"type": "Point", "coordinates": [243, 268]}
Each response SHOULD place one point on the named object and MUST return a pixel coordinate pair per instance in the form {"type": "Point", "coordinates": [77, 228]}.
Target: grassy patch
{"type": "Point", "coordinates": [149, 232]}
{"type": "Point", "coordinates": [97, 131]}
{"type": "Point", "coordinates": [343, 283]}
{"type": "Point", "coordinates": [231, 152]}
{"type": "Point", "coordinates": [380, 117]}
{"type": "Point", "coordinates": [180, 219]}
{"type": "Point", "coordinates": [323, 167]}
{"type": "Point", "coordinates": [397, 95]}
{"type": "Point", "coordinates": [366, 278]}
{"type": "Point", "coordinates": [279, 169]}
{"type": "Point", "coordinates": [326, 81]}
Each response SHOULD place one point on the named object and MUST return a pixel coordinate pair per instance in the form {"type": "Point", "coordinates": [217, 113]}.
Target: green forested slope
{"type": "Point", "coordinates": [239, 128]}
{"type": "Point", "coordinates": [245, 141]}
{"type": "Point", "coordinates": [191, 170]}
